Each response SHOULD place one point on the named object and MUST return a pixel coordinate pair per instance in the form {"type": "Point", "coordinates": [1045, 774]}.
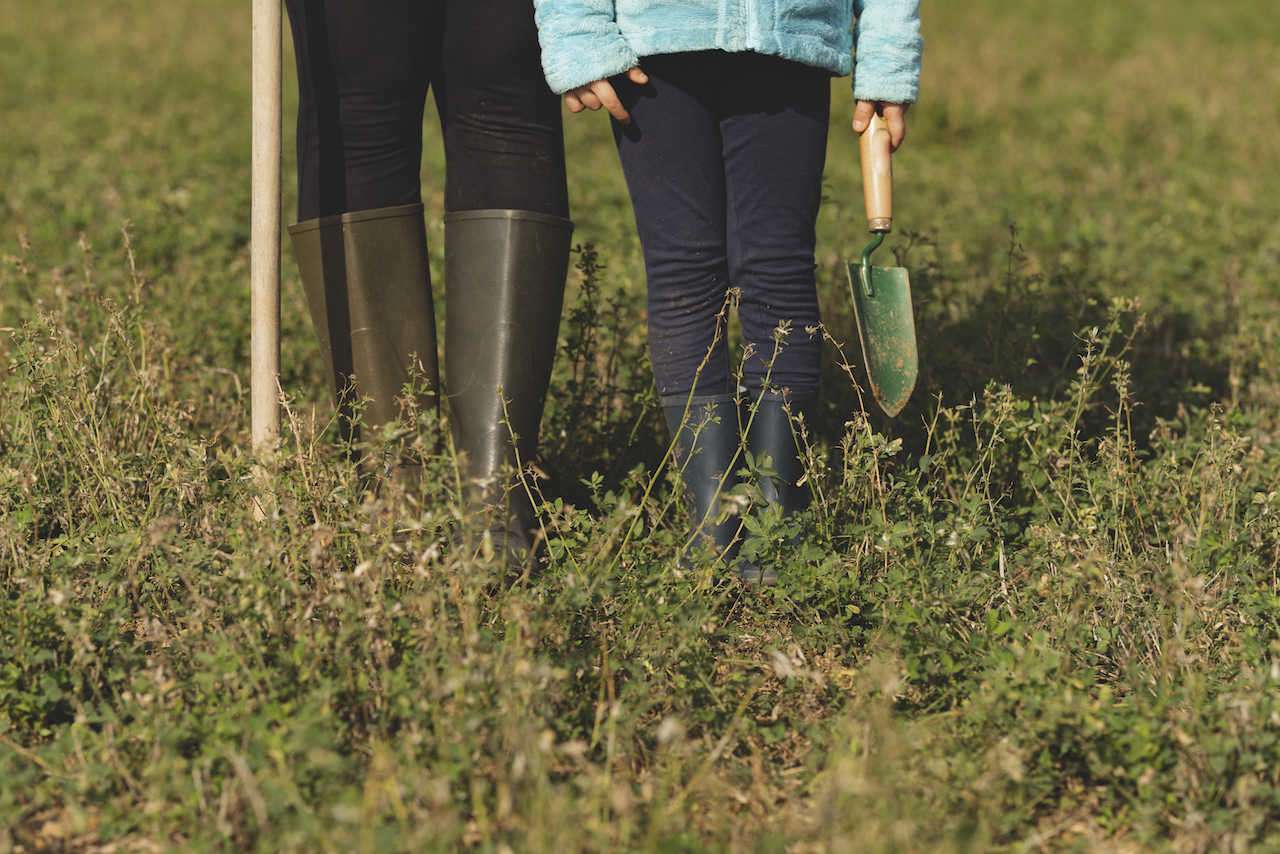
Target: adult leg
{"type": "Point", "coordinates": [363, 73]}
{"type": "Point", "coordinates": [671, 156]}
{"type": "Point", "coordinates": [504, 139]}
{"type": "Point", "coordinates": [775, 135]}
{"type": "Point", "coordinates": [507, 240]}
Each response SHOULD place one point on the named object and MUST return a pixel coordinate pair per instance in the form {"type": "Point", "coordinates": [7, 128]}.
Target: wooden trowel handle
{"type": "Point", "coordinates": [877, 174]}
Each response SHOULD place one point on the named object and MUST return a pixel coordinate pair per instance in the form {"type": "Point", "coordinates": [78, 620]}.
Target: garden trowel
{"type": "Point", "coordinates": [882, 295]}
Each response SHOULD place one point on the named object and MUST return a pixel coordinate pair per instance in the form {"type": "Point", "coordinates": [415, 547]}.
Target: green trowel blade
{"type": "Point", "coordinates": [887, 331]}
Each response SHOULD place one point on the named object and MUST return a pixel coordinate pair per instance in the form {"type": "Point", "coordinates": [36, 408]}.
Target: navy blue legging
{"type": "Point", "coordinates": [724, 159]}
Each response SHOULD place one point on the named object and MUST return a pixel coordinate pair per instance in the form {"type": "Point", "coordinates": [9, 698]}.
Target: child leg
{"type": "Point", "coordinates": [775, 138]}
{"type": "Point", "coordinates": [671, 157]}
{"type": "Point", "coordinates": [775, 141]}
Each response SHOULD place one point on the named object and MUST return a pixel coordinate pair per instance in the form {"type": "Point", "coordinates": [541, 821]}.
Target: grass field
{"type": "Point", "coordinates": [1038, 611]}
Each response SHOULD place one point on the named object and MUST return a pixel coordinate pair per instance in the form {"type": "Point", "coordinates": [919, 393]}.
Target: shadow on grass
{"type": "Point", "coordinates": [1024, 331]}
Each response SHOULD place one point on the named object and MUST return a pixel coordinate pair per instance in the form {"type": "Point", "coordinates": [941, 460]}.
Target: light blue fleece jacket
{"type": "Point", "coordinates": [586, 40]}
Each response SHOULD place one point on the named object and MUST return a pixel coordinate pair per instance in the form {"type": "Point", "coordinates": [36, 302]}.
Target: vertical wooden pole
{"type": "Point", "coordinates": [264, 248]}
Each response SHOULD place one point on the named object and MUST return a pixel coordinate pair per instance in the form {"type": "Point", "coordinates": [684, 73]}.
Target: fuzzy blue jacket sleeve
{"type": "Point", "coordinates": [581, 42]}
{"type": "Point", "coordinates": [888, 50]}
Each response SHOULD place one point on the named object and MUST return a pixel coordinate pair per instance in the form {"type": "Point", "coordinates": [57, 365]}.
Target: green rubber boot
{"type": "Point", "coordinates": [368, 287]}
{"type": "Point", "coordinates": [504, 277]}
{"type": "Point", "coordinates": [708, 446]}
{"type": "Point", "coordinates": [772, 432]}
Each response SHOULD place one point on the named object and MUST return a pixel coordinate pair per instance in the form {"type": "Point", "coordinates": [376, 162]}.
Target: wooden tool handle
{"type": "Point", "coordinates": [877, 175]}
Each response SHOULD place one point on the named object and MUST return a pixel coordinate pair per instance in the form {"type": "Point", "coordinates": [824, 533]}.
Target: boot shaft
{"type": "Point", "coordinates": [774, 432]}
{"type": "Point", "coordinates": [706, 433]}
{"type": "Point", "coordinates": [505, 276]}
{"type": "Point", "coordinates": [368, 287]}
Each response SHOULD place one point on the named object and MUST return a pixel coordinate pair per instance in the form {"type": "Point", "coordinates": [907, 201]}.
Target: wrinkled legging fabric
{"type": "Point", "coordinates": [724, 159]}
{"type": "Point", "coordinates": [364, 70]}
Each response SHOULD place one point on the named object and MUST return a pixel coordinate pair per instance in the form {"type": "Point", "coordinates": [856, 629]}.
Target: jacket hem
{"type": "Point", "coordinates": [804, 48]}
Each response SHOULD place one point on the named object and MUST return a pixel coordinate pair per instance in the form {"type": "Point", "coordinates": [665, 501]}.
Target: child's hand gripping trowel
{"type": "Point", "coordinates": [882, 295]}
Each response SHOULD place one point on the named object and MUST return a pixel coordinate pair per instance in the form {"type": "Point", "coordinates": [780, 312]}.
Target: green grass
{"type": "Point", "coordinates": [1040, 610]}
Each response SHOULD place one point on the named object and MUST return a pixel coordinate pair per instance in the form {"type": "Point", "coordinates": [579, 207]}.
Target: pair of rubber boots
{"type": "Point", "coordinates": [710, 433]}
{"type": "Point", "coordinates": [368, 287]}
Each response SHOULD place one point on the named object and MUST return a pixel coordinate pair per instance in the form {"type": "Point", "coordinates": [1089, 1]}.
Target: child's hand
{"type": "Point", "coordinates": [895, 115]}
{"type": "Point", "coordinates": [600, 93]}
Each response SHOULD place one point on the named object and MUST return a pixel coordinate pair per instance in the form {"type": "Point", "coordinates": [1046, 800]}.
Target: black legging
{"type": "Point", "coordinates": [364, 69]}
